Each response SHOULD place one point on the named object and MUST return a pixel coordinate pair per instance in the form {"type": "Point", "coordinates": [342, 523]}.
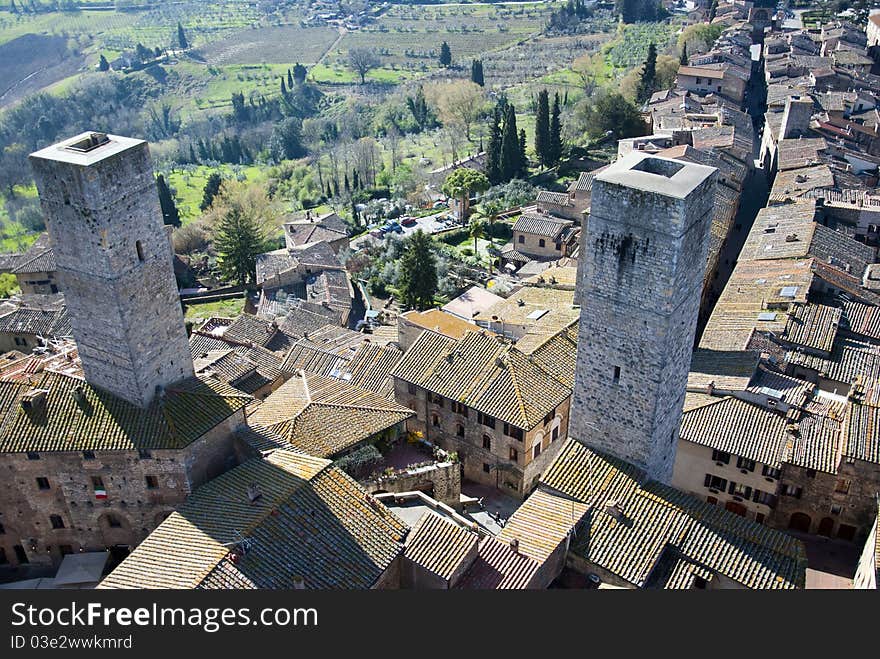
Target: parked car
{"type": "Point", "coordinates": [439, 204]}
{"type": "Point", "coordinates": [408, 221]}
{"type": "Point", "coordinates": [377, 233]}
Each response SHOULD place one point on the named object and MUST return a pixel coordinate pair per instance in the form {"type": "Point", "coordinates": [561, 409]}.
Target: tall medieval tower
{"type": "Point", "coordinates": [643, 252]}
{"type": "Point", "coordinates": [114, 261]}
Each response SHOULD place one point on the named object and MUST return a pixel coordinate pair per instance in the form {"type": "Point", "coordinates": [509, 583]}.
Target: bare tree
{"type": "Point", "coordinates": [459, 103]}
{"type": "Point", "coordinates": [362, 61]}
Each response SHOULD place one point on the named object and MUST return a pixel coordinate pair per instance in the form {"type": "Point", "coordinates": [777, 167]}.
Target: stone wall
{"type": "Point", "coordinates": [464, 435]}
{"type": "Point", "coordinates": [441, 480]}
{"type": "Point", "coordinates": [113, 255]}
{"type": "Point", "coordinates": [644, 255]}
{"type": "Point", "coordinates": [847, 515]}
{"type": "Point", "coordinates": [134, 505]}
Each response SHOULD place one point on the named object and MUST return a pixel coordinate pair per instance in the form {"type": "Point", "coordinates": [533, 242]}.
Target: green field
{"type": "Point", "coordinates": [188, 184]}
{"type": "Point", "coordinates": [199, 313]}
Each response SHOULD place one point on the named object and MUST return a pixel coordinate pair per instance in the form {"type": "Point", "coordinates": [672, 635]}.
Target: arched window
{"type": "Point", "coordinates": [487, 442]}
{"type": "Point", "coordinates": [435, 420]}
{"type": "Point", "coordinates": [459, 430]}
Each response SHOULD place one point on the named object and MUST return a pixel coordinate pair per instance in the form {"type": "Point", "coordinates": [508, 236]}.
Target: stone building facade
{"type": "Point", "coordinates": [643, 253]}
{"type": "Point", "coordinates": [98, 195]}
{"type": "Point", "coordinates": [49, 503]}
{"type": "Point", "coordinates": [490, 451]}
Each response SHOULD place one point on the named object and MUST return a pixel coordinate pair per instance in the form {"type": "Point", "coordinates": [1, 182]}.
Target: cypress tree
{"type": "Point", "coordinates": [493, 152]}
{"type": "Point", "coordinates": [649, 75]}
{"type": "Point", "coordinates": [554, 146]}
{"type": "Point", "coordinates": [346, 184]}
{"type": "Point", "coordinates": [283, 88]}
{"type": "Point", "coordinates": [170, 215]}
{"type": "Point", "coordinates": [103, 64]}
{"type": "Point", "coordinates": [445, 54]}
{"type": "Point", "coordinates": [542, 128]}
{"type": "Point", "coordinates": [477, 72]}
{"type": "Point", "coordinates": [510, 149]}
{"type": "Point", "coordinates": [212, 187]}
{"type": "Point", "coordinates": [289, 79]}
{"type": "Point", "coordinates": [355, 180]}
{"type": "Point", "coordinates": [299, 73]}
{"type": "Point", "coordinates": [181, 37]}
{"type": "Point", "coordinates": [683, 58]}
{"type": "Point", "coordinates": [523, 160]}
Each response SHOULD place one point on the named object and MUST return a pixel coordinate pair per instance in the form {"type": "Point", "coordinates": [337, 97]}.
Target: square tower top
{"type": "Point", "coordinates": [87, 148]}
{"type": "Point", "coordinates": [664, 176]}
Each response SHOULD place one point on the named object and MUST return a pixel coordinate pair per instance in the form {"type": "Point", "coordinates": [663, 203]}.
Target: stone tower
{"type": "Point", "coordinates": [643, 252]}
{"type": "Point", "coordinates": [114, 262]}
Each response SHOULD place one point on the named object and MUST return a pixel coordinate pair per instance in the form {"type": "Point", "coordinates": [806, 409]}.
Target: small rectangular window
{"type": "Point", "coordinates": [88, 455]}
{"type": "Point", "coordinates": [537, 450]}
{"type": "Point", "coordinates": [152, 482]}
{"type": "Point", "coordinates": [145, 454]}
{"type": "Point", "coordinates": [411, 389]}
{"type": "Point", "coordinates": [616, 374]}
{"type": "Point", "coordinates": [514, 454]}
{"type": "Point", "coordinates": [56, 521]}
{"type": "Point", "coordinates": [842, 486]}
{"type": "Point", "coordinates": [140, 250]}
{"type": "Point", "coordinates": [486, 467]}
{"type": "Point", "coordinates": [487, 442]}
{"type": "Point", "coordinates": [97, 483]}
{"type": "Point", "coordinates": [745, 463]}
{"type": "Point", "coordinates": [720, 456]}
{"type": "Point", "coordinates": [33, 456]}
{"type": "Point", "coordinates": [43, 483]}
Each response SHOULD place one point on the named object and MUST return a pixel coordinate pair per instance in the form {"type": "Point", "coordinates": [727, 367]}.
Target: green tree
{"type": "Point", "coordinates": [493, 149]}
{"type": "Point", "coordinates": [240, 218]}
{"type": "Point", "coordinates": [103, 64]}
{"type": "Point", "coordinates": [445, 55]}
{"type": "Point", "coordinates": [683, 57]}
{"type": "Point", "coordinates": [477, 231]}
{"type": "Point", "coordinates": [542, 128]}
{"type": "Point", "coordinates": [212, 187]}
{"type": "Point", "coordinates": [181, 37]}
{"type": "Point", "coordinates": [170, 214]}
{"type": "Point", "coordinates": [283, 88]}
{"type": "Point", "coordinates": [649, 75]}
{"type": "Point", "coordinates": [713, 9]}
{"type": "Point", "coordinates": [612, 112]}
{"type": "Point", "coordinates": [477, 72]}
{"type": "Point", "coordinates": [461, 184]}
{"type": "Point", "coordinates": [299, 73]}
{"type": "Point", "coordinates": [418, 273]}
{"type": "Point", "coordinates": [554, 146]}
{"type": "Point", "coordinates": [511, 155]}
{"type": "Point", "coordinates": [286, 140]}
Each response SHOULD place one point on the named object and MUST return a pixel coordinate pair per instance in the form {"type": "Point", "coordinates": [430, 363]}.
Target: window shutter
{"type": "Point", "coordinates": [748, 493]}
{"type": "Point", "coordinates": [708, 480]}
{"type": "Point", "coordinates": [731, 488]}
{"type": "Point", "coordinates": [756, 495]}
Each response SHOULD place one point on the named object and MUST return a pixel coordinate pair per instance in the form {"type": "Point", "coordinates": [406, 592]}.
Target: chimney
{"type": "Point", "coordinates": [253, 492]}
{"type": "Point", "coordinates": [298, 582]}
{"type": "Point", "coordinates": [34, 401]}
{"type": "Point", "coordinates": [612, 509]}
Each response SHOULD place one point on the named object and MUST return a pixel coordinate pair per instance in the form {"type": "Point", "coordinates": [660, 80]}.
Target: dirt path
{"type": "Point", "coordinates": [342, 33]}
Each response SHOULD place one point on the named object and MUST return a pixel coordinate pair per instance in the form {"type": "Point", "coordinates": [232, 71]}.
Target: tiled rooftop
{"type": "Point", "coordinates": [310, 522]}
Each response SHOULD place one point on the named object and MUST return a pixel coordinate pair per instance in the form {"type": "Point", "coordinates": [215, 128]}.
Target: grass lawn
{"type": "Point", "coordinates": [199, 313]}
{"type": "Point", "coordinates": [189, 185]}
